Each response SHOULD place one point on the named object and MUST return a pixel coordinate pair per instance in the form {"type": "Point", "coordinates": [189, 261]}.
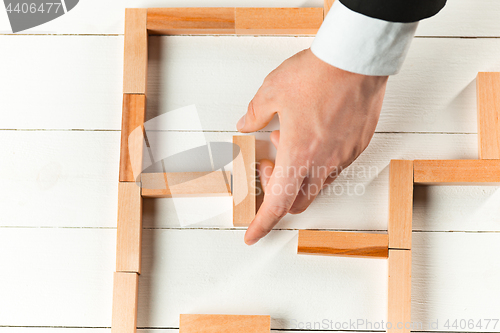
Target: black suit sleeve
{"type": "Point", "coordinates": [396, 10]}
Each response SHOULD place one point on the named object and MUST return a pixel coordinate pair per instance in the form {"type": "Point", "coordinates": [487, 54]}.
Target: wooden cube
{"type": "Point", "coordinates": [400, 203]}
{"type": "Point", "coordinates": [341, 243]}
{"type": "Point", "coordinates": [206, 323]}
{"type": "Point", "coordinates": [135, 62]}
{"type": "Point", "coordinates": [244, 180]}
{"type": "Point", "coordinates": [125, 295]}
{"type": "Point", "coordinates": [488, 115]}
{"type": "Point", "coordinates": [399, 307]}
{"type": "Point", "coordinates": [129, 228]}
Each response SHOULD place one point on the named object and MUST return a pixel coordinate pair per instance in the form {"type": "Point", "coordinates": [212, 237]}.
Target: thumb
{"type": "Point", "coordinates": [256, 118]}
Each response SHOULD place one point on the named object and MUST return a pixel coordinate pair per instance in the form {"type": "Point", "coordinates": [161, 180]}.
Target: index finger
{"type": "Point", "coordinates": [281, 191]}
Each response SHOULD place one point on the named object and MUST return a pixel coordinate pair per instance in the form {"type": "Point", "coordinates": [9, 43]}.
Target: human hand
{"type": "Point", "coordinates": [327, 118]}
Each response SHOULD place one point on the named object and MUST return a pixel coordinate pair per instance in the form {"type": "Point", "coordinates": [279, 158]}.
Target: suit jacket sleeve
{"type": "Point", "coordinates": [371, 37]}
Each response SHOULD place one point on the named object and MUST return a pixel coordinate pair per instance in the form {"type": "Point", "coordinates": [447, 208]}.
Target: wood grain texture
{"type": "Point", "coordinates": [76, 287]}
{"type": "Point", "coordinates": [399, 226]}
{"type": "Point", "coordinates": [125, 296]}
{"type": "Point", "coordinates": [457, 172]}
{"type": "Point", "coordinates": [479, 20]}
{"type": "Point", "coordinates": [347, 244]}
{"type": "Point", "coordinates": [186, 184]}
{"type": "Point", "coordinates": [429, 95]}
{"type": "Point", "coordinates": [131, 146]}
{"type": "Point", "coordinates": [327, 4]}
{"type": "Point", "coordinates": [488, 114]}
{"type": "Point", "coordinates": [135, 64]}
{"type": "Point", "coordinates": [216, 323]}
{"type": "Point", "coordinates": [45, 167]}
{"type": "Point", "coordinates": [129, 228]}
{"type": "Point", "coordinates": [244, 180]}
{"type": "Point", "coordinates": [399, 305]}
{"type": "Point", "coordinates": [278, 21]}
{"type": "Point", "coordinates": [190, 21]}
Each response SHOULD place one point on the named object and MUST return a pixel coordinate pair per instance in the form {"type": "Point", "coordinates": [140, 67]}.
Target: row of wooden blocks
{"type": "Point", "coordinates": [142, 22]}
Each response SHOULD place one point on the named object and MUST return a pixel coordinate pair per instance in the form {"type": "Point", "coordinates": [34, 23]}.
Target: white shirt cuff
{"type": "Point", "coordinates": [361, 44]}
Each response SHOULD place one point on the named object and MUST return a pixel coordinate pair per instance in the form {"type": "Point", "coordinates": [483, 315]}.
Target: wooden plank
{"type": "Point", "coordinates": [278, 21]}
{"type": "Point", "coordinates": [475, 21]}
{"type": "Point", "coordinates": [129, 228]}
{"type": "Point", "coordinates": [186, 184]}
{"type": "Point", "coordinates": [399, 299]}
{"type": "Point", "coordinates": [61, 277]}
{"type": "Point", "coordinates": [450, 94]}
{"type": "Point", "coordinates": [135, 64]}
{"type": "Point", "coordinates": [125, 296]}
{"type": "Point", "coordinates": [457, 172]}
{"type": "Point", "coordinates": [488, 114]}
{"type": "Point", "coordinates": [216, 323]}
{"type": "Point", "coordinates": [340, 243]}
{"type": "Point", "coordinates": [47, 166]}
{"type": "Point", "coordinates": [400, 204]}
{"type": "Point", "coordinates": [190, 21]}
{"type": "Point", "coordinates": [131, 146]}
{"type": "Point", "coordinates": [326, 6]}
{"type": "Point", "coordinates": [244, 180]}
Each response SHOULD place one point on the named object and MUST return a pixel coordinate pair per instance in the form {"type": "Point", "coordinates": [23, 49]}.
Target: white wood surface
{"type": "Point", "coordinates": [458, 18]}
{"type": "Point", "coordinates": [60, 115]}
{"type": "Point", "coordinates": [62, 277]}
{"type": "Point", "coordinates": [69, 179]}
{"type": "Point", "coordinates": [435, 91]}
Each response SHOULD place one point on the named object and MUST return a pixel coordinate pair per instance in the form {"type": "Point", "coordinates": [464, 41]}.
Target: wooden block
{"type": "Point", "coordinates": [399, 307]}
{"type": "Point", "coordinates": [134, 110]}
{"type": "Point", "coordinates": [125, 291]}
{"type": "Point", "coordinates": [203, 323]}
{"type": "Point", "coordinates": [488, 115]}
{"type": "Point", "coordinates": [186, 184]}
{"type": "Point", "coordinates": [129, 228]}
{"type": "Point", "coordinates": [457, 172]}
{"type": "Point", "coordinates": [278, 21]}
{"type": "Point", "coordinates": [345, 244]}
{"type": "Point", "coordinates": [190, 21]}
{"type": "Point", "coordinates": [244, 180]}
{"type": "Point", "coordinates": [135, 61]}
{"type": "Point", "coordinates": [400, 204]}
{"type": "Point", "coordinates": [326, 6]}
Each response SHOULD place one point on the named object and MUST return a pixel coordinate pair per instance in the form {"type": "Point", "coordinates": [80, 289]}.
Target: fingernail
{"type": "Point", "coordinates": [241, 123]}
{"type": "Point", "coordinates": [251, 241]}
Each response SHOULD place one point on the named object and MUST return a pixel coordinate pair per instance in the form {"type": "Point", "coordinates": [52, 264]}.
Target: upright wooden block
{"type": "Point", "coordinates": [134, 111]}
{"type": "Point", "coordinates": [278, 21]}
{"type": "Point", "coordinates": [341, 243]}
{"type": "Point", "coordinates": [244, 180]}
{"type": "Point", "coordinates": [203, 323]}
{"type": "Point", "coordinates": [457, 172]}
{"type": "Point", "coordinates": [399, 307]}
{"type": "Point", "coordinates": [488, 115]}
{"type": "Point", "coordinates": [400, 203]}
{"type": "Point", "coordinates": [326, 6]}
{"type": "Point", "coordinates": [190, 21]}
{"type": "Point", "coordinates": [129, 228]}
{"type": "Point", "coordinates": [125, 292]}
{"type": "Point", "coordinates": [186, 184]}
{"type": "Point", "coordinates": [135, 62]}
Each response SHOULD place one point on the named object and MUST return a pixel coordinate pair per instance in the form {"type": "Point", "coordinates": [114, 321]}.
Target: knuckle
{"type": "Point", "coordinates": [277, 211]}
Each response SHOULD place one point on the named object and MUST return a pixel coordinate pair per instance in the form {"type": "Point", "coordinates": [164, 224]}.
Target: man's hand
{"type": "Point", "coordinates": [327, 118]}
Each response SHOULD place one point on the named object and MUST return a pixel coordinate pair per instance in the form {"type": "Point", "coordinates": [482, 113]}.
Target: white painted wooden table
{"type": "Point", "coordinates": [60, 113]}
